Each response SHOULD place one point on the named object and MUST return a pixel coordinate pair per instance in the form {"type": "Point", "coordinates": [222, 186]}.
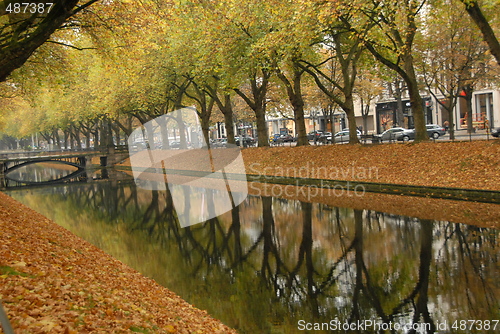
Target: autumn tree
{"type": "Point", "coordinates": [452, 57]}
{"type": "Point", "coordinates": [85, 77]}
{"type": "Point", "coordinates": [474, 10]}
{"type": "Point", "coordinates": [291, 40]}
{"type": "Point", "coordinates": [391, 41]}
{"type": "Point", "coordinates": [23, 29]}
{"type": "Point", "coordinates": [341, 48]}
{"type": "Point", "coordinates": [224, 102]}
{"type": "Point", "coordinates": [242, 59]}
{"type": "Point", "coordinates": [369, 86]}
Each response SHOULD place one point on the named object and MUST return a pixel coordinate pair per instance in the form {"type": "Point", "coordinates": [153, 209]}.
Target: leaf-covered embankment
{"type": "Point", "coordinates": [468, 165]}
{"type": "Point", "coordinates": [51, 281]}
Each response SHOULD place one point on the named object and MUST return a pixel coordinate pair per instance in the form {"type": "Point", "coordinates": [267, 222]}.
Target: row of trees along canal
{"type": "Point", "coordinates": [111, 66]}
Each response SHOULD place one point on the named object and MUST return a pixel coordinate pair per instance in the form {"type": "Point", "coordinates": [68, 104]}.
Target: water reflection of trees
{"type": "Point", "coordinates": [297, 274]}
{"type": "Point", "coordinates": [298, 260]}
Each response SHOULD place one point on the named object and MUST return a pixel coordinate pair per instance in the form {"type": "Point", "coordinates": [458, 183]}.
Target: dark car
{"type": "Point", "coordinates": [495, 132]}
{"type": "Point", "coordinates": [314, 135]}
{"type": "Point", "coordinates": [434, 131]}
{"type": "Point", "coordinates": [325, 138]}
{"type": "Point", "coordinates": [247, 141]}
{"type": "Point", "coordinates": [287, 138]}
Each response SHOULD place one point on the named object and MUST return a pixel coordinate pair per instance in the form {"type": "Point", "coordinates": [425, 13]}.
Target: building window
{"type": "Point", "coordinates": [484, 110]}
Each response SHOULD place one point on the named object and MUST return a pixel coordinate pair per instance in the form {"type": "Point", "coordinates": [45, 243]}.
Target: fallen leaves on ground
{"type": "Point", "coordinates": [468, 165]}
{"type": "Point", "coordinates": [51, 281]}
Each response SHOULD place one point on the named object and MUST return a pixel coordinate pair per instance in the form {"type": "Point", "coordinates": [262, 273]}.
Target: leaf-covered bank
{"type": "Point", "coordinates": [54, 282]}
{"type": "Point", "coordinates": [467, 165]}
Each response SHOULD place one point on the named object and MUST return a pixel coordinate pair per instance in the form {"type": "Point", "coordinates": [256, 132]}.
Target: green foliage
{"type": "Point", "coordinates": [140, 59]}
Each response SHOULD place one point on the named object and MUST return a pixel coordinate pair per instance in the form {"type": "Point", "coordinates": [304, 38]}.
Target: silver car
{"type": "Point", "coordinates": [343, 136]}
{"type": "Point", "coordinates": [390, 134]}
{"type": "Point", "coordinates": [433, 130]}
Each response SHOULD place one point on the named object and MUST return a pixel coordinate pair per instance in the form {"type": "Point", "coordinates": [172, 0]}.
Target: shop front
{"type": "Point", "coordinates": [387, 115]}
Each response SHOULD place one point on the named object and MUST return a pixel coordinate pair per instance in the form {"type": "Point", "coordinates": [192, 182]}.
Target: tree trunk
{"type": "Point", "coordinates": [66, 141]}
{"type": "Point", "coordinates": [106, 134]}
{"type": "Point", "coordinates": [116, 130]}
{"type": "Point", "coordinates": [20, 44]}
{"type": "Point", "coordinates": [258, 104]}
{"type": "Point", "coordinates": [162, 121]}
{"type": "Point", "coordinates": [398, 95]}
{"type": "Point", "coordinates": [417, 103]}
{"type": "Point", "coordinates": [262, 132]}
{"type": "Point", "coordinates": [297, 101]}
{"type": "Point", "coordinates": [294, 92]}
{"type": "Point", "coordinates": [407, 72]}
{"type": "Point", "coordinates": [57, 139]}
{"type": "Point", "coordinates": [489, 37]}
{"type": "Point", "coordinates": [451, 121]}
{"type": "Point", "coordinates": [348, 107]}
{"type": "Point", "coordinates": [468, 89]}
{"type": "Point", "coordinates": [205, 128]}
{"type": "Point", "coordinates": [300, 125]}
{"type": "Point", "coordinates": [75, 135]}
{"type": "Point", "coordinates": [227, 111]}
{"type": "Point", "coordinates": [87, 139]}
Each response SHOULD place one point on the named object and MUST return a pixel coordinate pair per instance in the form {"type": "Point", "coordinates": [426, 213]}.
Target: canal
{"type": "Point", "coordinates": [286, 265]}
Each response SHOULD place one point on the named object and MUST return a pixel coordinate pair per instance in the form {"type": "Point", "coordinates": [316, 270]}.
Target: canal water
{"type": "Point", "coordinates": [276, 265]}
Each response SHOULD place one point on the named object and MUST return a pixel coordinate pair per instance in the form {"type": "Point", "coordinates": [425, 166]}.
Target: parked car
{"type": "Point", "coordinates": [325, 138]}
{"type": "Point", "coordinates": [247, 141]}
{"type": "Point", "coordinates": [389, 134]}
{"type": "Point", "coordinates": [314, 135]}
{"type": "Point", "coordinates": [274, 138]}
{"type": "Point", "coordinates": [136, 146]}
{"type": "Point", "coordinates": [495, 132]}
{"type": "Point", "coordinates": [218, 143]}
{"type": "Point", "coordinates": [433, 130]}
{"type": "Point", "coordinates": [343, 136]}
{"type": "Point", "coordinates": [175, 144]}
{"type": "Point", "coordinates": [287, 138]}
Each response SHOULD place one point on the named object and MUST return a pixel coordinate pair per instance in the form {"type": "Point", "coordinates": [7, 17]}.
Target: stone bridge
{"type": "Point", "coordinates": [81, 160]}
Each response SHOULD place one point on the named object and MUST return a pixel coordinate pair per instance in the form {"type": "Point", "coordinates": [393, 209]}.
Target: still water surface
{"type": "Point", "coordinates": [285, 266]}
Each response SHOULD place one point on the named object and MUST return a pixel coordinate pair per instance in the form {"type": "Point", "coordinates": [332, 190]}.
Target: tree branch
{"type": "Point", "coordinates": [70, 46]}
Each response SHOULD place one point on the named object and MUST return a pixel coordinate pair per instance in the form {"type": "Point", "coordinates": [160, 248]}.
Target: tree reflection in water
{"type": "Point", "coordinates": [271, 262]}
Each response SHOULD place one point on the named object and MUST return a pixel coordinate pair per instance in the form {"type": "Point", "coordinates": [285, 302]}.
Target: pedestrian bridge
{"type": "Point", "coordinates": [81, 160]}
{"type": "Point", "coordinates": [12, 164]}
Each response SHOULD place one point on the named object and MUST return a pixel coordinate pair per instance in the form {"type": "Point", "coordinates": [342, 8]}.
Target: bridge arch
{"type": "Point", "coordinates": [80, 175]}
{"type": "Point", "coordinates": [8, 169]}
